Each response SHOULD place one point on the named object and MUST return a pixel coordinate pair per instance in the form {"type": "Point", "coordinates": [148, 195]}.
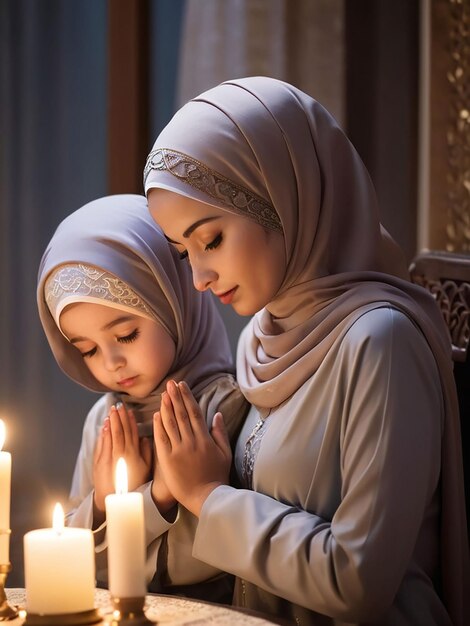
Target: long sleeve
{"type": "Point", "coordinates": [80, 504]}
{"type": "Point", "coordinates": [343, 519]}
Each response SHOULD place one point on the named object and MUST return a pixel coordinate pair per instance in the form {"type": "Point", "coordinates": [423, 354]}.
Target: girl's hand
{"type": "Point", "coordinates": [193, 461]}
{"type": "Point", "coordinates": [119, 437]}
{"type": "Point", "coordinates": [102, 471]}
{"type": "Point", "coordinates": [136, 452]}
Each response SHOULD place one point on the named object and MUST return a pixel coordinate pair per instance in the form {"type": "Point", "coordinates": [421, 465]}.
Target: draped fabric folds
{"type": "Point", "coordinates": [301, 42]}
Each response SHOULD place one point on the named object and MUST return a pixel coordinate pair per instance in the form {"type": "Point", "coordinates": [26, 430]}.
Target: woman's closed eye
{"type": "Point", "coordinates": [214, 243]}
{"type": "Point", "coordinates": [209, 246]}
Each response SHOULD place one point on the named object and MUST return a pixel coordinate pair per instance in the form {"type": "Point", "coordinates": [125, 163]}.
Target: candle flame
{"type": "Point", "coordinates": [2, 433]}
{"type": "Point", "coordinates": [58, 518]}
{"type": "Point", "coordinates": [121, 476]}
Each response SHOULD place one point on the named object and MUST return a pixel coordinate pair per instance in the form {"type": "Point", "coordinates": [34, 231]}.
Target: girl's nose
{"type": "Point", "coordinates": [113, 359]}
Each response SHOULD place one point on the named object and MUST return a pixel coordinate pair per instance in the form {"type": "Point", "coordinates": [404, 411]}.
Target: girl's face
{"type": "Point", "coordinates": [241, 262]}
{"type": "Point", "coordinates": [126, 353]}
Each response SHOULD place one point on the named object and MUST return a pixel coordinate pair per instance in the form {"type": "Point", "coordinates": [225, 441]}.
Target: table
{"type": "Point", "coordinates": [168, 610]}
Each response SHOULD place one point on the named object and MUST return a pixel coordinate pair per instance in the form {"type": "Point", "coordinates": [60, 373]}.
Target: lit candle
{"type": "Point", "coordinates": [5, 487]}
{"type": "Point", "coordinates": [126, 539]}
{"type": "Point", "coordinates": [59, 568]}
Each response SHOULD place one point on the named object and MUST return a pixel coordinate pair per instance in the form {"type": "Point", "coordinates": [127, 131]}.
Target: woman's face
{"type": "Point", "coordinates": [126, 353]}
{"type": "Point", "coordinates": [241, 262]}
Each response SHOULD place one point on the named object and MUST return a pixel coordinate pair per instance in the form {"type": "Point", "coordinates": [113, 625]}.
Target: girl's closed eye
{"type": "Point", "coordinates": [126, 339]}
{"type": "Point", "coordinates": [89, 353]}
{"type": "Point", "coordinates": [131, 337]}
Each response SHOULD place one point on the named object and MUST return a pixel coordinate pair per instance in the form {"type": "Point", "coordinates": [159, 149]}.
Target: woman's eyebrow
{"type": "Point", "coordinates": [188, 232]}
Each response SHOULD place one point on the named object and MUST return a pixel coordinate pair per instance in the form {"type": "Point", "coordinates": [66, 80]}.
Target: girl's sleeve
{"type": "Point", "coordinates": [351, 566]}
{"type": "Point", "coordinates": [80, 504]}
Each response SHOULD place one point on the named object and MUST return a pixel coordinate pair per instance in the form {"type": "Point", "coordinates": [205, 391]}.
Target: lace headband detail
{"type": "Point", "coordinates": [194, 173]}
{"type": "Point", "coordinates": [79, 282]}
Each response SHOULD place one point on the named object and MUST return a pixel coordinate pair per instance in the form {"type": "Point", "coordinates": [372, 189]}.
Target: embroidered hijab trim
{"type": "Point", "coordinates": [194, 173]}
{"type": "Point", "coordinates": [77, 282]}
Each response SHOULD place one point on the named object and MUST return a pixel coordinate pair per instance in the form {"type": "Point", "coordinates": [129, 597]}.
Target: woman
{"type": "Point", "coordinates": [121, 317]}
{"type": "Point", "coordinates": [353, 507]}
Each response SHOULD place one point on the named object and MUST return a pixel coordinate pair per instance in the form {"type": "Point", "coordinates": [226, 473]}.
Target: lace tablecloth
{"type": "Point", "coordinates": [168, 610]}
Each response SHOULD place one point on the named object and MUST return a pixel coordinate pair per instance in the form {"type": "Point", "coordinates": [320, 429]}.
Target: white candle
{"type": "Point", "coordinates": [126, 539]}
{"type": "Point", "coordinates": [5, 487]}
{"type": "Point", "coordinates": [59, 568]}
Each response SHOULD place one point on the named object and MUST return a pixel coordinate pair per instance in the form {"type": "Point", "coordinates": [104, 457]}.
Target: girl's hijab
{"type": "Point", "coordinates": [117, 235]}
{"type": "Point", "coordinates": [261, 148]}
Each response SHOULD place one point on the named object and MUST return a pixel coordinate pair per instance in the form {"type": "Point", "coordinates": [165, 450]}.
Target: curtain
{"type": "Point", "coordinates": [300, 41]}
{"type": "Point", "coordinates": [53, 159]}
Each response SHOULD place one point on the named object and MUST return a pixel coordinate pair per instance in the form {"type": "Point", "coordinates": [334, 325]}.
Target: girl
{"type": "Point", "coordinates": [121, 317]}
{"type": "Point", "coordinates": [353, 507]}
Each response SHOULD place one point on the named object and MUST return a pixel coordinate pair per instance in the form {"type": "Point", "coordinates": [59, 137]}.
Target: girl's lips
{"type": "Point", "coordinates": [127, 382]}
{"type": "Point", "coordinates": [227, 297]}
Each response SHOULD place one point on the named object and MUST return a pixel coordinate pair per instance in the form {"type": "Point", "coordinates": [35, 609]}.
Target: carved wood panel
{"type": "Point", "coordinates": [447, 278]}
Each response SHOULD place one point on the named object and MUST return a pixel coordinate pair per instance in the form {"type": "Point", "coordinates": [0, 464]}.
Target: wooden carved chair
{"type": "Point", "coordinates": [447, 277]}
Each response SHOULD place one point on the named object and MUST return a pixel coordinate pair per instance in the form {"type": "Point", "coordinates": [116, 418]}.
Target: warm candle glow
{"type": "Point", "coordinates": [121, 476]}
{"type": "Point", "coordinates": [5, 488]}
{"type": "Point", "coordinates": [126, 538]}
{"type": "Point", "coordinates": [59, 569]}
{"type": "Point", "coordinates": [58, 518]}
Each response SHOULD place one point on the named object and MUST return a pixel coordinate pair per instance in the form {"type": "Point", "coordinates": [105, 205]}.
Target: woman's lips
{"type": "Point", "coordinates": [227, 297]}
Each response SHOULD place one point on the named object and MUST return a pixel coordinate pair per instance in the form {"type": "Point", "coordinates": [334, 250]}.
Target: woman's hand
{"type": "Point", "coordinates": [161, 495]}
{"type": "Point", "coordinates": [193, 461]}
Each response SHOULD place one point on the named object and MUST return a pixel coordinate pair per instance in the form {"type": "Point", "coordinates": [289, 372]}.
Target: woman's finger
{"type": "Point", "coordinates": [180, 410]}
{"type": "Point", "coordinates": [220, 435]}
{"type": "Point", "coordinates": [168, 419]}
{"type": "Point", "coordinates": [160, 437]}
{"type": "Point", "coordinates": [193, 410]}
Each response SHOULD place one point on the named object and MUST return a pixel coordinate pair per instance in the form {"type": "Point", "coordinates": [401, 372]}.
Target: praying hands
{"type": "Point", "coordinates": [193, 460]}
{"type": "Point", "coordinates": [119, 438]}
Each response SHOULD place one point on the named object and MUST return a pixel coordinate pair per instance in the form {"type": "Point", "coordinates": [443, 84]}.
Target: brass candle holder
{"type": "Point", "coordinates": [7, 612]}
{"type": "Point", "coordinates": [82, 618]}
{"type": "Point", "coordinates": [128, 612]}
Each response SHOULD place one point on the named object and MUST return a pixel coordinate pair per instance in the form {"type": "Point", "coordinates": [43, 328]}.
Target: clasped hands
{"type": "Point", "coordinates": [189, 461]}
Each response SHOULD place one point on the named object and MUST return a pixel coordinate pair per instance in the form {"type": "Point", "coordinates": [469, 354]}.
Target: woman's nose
{"type": "Point", "coordinates": [203, 276]}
